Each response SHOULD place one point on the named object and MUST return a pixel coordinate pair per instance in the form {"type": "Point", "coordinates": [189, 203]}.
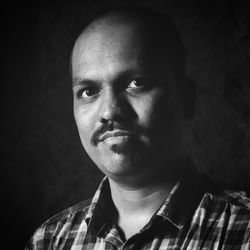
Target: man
{"type": "Point", "coordinates": [130, 103]}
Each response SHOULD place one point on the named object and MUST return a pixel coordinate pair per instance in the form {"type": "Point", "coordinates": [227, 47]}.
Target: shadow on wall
{"type": "Point", "coordinates": [44, 166]}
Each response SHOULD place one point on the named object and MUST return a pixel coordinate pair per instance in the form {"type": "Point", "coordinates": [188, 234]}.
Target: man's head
{"type": "Point", "coordinates": [127, 68]}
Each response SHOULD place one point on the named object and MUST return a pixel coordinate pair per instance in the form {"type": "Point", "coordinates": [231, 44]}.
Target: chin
{"type": "Point", "coordinates": [119, 164]}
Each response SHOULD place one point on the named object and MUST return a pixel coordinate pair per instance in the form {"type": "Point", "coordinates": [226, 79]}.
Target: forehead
{"type": "Point", "coordinates": [107, 47]}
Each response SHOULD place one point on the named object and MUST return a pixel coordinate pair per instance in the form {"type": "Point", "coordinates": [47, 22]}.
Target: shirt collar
{"type": "Point", "coordinates": [180, 204]}
{"type": "Point", "coordinates": [99, 211]}
{"type": "Point", "coordinates": [178, 208]}
{"type": "Point", "coordinates": [186, 196]}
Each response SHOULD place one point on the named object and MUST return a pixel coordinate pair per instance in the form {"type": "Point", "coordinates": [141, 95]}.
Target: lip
{"type": "Point", "coordinates": [116, 134]}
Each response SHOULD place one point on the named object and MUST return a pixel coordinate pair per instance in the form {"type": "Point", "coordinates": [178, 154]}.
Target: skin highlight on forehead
{"type": "Point", "coordinates": [153, 31]}
{"type": "Point", "coordinates": [114, 41]}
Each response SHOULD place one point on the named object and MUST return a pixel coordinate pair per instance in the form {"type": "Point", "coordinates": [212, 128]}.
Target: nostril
{"type": "Point", "coordinates": [109, 124]}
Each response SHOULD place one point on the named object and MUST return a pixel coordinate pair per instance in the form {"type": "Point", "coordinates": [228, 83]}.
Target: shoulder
{"type": "Point", "coordinates": [231, 204]}
{"type": "Point", "coordinates": [217, 200]}
{"type": "Point", "coordinates": [222, 218]}
{"type": "Point", "coordinates": [228, 212]}
{"type": "Point", "coordinates": [59, 225]}
{"type": "Point", "coordinates": [77, 211]}
{"type": "Point", "coordinates": [80, 209]}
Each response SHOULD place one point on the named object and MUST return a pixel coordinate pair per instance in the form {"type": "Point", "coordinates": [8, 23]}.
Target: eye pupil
{"type": "Point", "coordinates": [88, 92]}
{"type": "Point", "coordinates": [136, 83]}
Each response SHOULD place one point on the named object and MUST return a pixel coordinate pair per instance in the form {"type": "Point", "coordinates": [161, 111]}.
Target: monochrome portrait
{"type": "Point", "coordinates": [127, 125]}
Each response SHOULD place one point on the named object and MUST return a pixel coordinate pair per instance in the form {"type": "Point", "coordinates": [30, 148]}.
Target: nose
{"type": "Point", "coordinates": [111, 107]}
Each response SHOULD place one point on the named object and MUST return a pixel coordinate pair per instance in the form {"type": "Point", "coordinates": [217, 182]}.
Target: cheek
{"type": "Point", "coordinates": [85, 121]}
{"type": "Point", "coordinates": [151, 107]}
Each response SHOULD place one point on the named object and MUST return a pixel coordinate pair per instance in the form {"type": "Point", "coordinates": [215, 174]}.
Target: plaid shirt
{"type": "Point", "coordinates": [192, 217]}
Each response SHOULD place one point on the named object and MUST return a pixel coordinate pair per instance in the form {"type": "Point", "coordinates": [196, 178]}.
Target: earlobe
{"type": "Point", "coordinates": [189, 95]}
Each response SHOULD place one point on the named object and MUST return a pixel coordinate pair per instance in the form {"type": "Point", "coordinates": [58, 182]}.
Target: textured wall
{"type": "Point", "coordinates": [44, 167]}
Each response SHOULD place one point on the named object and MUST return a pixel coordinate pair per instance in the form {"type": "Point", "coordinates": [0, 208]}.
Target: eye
{"type": "Point", "coordinates": [136, 83]}
{"type": "Point", "coordinates": [88, 92]}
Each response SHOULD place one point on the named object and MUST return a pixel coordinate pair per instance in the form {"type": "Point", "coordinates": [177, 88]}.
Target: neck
{"type": "Point", "coordinates": [127, 199]}
{"type": "Point", "coordinates": [136, 205]}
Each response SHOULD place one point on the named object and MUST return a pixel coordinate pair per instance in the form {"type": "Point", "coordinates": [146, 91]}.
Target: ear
{"type": "Point", "coordinates": [189, 94]}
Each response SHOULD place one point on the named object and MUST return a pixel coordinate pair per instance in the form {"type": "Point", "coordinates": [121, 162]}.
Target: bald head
{"type": "Point", "coordinates": [152, 30]}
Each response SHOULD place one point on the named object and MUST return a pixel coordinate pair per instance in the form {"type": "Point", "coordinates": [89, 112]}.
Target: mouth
{"type": "Point", "coordinates": [116, 137]}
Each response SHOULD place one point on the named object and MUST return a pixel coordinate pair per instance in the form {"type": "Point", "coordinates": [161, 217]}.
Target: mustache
{"type": "Point", "coordinates": [96, 137]}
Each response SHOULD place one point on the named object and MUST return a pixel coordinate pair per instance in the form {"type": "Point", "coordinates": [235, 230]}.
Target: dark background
{"type": "Point", "coordinates": [44, 168]}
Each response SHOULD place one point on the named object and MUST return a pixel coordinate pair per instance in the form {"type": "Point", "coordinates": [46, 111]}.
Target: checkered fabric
{"type": "Point", "coordinates": [192, 217]}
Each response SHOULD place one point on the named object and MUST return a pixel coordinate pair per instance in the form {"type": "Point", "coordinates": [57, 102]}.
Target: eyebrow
{"type": "Point", "coordinates": [81, 82]}
{"type": "Point", "coordinates": [78, 81]}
